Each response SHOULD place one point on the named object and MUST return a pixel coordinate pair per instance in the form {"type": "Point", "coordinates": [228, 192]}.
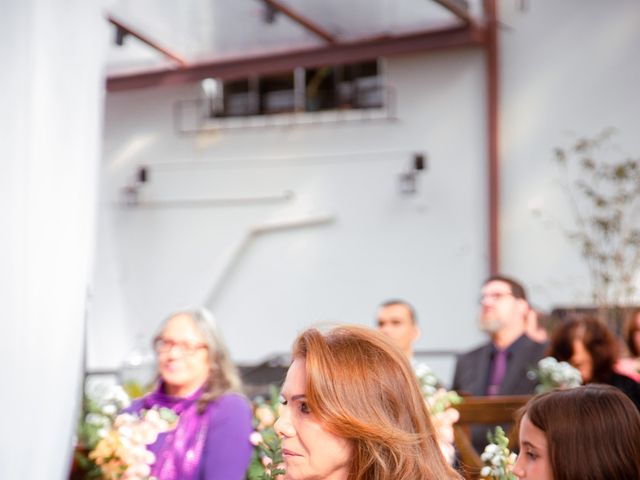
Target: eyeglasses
{"type": "Point", "coordinates": [493, 297]}
{"type": "Point", "coordinates": [164, 345]}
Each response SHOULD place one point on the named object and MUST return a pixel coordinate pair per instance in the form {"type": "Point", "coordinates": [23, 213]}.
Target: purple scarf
{"type": "Point", "coordinates": [179, 451]}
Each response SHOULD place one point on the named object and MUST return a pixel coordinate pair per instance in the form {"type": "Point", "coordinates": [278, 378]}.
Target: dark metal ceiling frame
{"type": "Point", "coordinates": [493, 133]}
{"type": "Point", "coordinates": [344, 52]}
{"type": "Point", "coordinates": [156, 46]}
{"type": "Point", "coordinates": [458, 8]}
{"type": "Point", "coordinates": [301, 20]}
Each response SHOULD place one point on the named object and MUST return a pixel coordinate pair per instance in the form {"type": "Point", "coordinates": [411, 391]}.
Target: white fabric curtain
{"type": "Point", "coordinates": [51, 97]}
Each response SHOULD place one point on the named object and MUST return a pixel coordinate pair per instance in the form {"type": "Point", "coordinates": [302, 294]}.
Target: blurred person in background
{"type": "Point", "coordinates": [630, 365]}
{"type": "Point", "coordinates": [199, 382]}
{"type": "Point", "coordinates": [499, 366]}
{"type": "Point", "coordinates": [588, 345]}
{"type": "Point", "coordinates": [536, 325]}
{"type": "Point", "coordinates": [397, 320]}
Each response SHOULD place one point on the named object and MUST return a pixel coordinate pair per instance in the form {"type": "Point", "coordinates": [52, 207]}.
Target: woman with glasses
{"type": "Point", "coordinates": [198, 381]}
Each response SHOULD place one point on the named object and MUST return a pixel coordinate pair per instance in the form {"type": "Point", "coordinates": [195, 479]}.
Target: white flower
{"type": "Point", "coordinates": [96, 419]}
{"type": "Point", "coordinates": [255, 438]}
{"type": "Point", "coordinates": [553, 374]}
{"type": "Point", "coordinates": [109, 409]}
{"type": "Point", "coordinates": [438, 402]}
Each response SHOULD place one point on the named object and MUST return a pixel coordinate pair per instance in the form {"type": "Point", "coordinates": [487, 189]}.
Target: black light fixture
{"type": "Point", "coordinates": [269, 13]}
{"type": "Point", "coordinates": [130, 193]}
{"type": "Point", "coordinates": [143, 174]}
{"type": "Point", "coordinates": [121, 34]}
{"type": "Point", "coordinates": [408, 180]}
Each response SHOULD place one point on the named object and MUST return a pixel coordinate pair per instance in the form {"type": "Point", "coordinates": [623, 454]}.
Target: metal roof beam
{"type": "Point", "coordinates": [458, 8]}
{"type": "Point", "coordinates": [340, 53]}
{"type": "Point", "coordinates": [301, 20]}
{"type": "Point", "coordinates": [129, 31]}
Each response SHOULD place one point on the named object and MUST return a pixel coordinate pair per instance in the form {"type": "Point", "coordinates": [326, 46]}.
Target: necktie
{"type": "Point", "coordinates": [498, 369]}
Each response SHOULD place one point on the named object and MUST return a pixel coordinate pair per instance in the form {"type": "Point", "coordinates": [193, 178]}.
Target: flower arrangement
{"type": "Point", "coordinates": [266, 460]}
{"type": "Point", "coordinates": [498, 459]}
{"type": "Point", "coordinates": [552, 374]}
{"type": "Point", "coordinates": [440, 402]}
{"type": "Point", "coordinates": [122, 453]}
{"type": "Point", "coordinates": [100, 406]}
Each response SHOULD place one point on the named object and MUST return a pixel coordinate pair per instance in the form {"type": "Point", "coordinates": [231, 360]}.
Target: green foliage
{"type": "Point", "coordinates": [266, 460]}
{"type": "Point", "coordinates": [604, 193]}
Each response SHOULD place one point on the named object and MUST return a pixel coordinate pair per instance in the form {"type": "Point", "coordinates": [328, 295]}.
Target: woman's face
{"type": "Point", "coordinates": [183, 358]}
{"type": "Point", "coordinates": [582, 360]}
{"type": "Point", "coordinates": [533, 461]}
{"type": "Point", "coordinates": [310, 451]}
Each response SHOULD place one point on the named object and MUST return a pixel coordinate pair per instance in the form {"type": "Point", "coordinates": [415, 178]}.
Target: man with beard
{"type": "Point", "coordinates": [500, 366]}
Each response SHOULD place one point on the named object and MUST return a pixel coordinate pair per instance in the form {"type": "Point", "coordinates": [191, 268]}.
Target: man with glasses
{"type": "Point", "coordinates": [500, 366]}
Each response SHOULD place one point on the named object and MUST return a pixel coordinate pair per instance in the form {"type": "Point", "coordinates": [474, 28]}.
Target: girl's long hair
{"type": "Point", "coordinates": [592, 432]}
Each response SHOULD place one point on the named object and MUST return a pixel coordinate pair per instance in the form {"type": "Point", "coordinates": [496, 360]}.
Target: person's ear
{"type": "Point", "coordinates": [417, 333]}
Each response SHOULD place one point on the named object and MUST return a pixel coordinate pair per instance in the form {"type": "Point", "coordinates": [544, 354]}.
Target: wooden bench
{"type": "Point", "coordinates": [489, 411]}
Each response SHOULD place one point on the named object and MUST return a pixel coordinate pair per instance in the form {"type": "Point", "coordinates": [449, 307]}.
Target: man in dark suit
{"type": "Point", "coordinates": [500, 366]}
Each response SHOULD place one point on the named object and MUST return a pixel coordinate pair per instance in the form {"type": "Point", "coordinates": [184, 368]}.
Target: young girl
{"type": "Point", "coordinates": [589, 433]}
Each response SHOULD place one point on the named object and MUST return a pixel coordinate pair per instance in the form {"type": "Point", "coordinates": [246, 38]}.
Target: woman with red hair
{"type": "Point", "coordinates": [352, 410]}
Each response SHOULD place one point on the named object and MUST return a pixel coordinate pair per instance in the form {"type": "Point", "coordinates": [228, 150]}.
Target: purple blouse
{"type": "Point", "coordinates": [213, 445]}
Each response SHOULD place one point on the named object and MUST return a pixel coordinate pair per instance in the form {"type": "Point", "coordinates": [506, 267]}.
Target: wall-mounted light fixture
{"type": "Point", "coordinates": [270, 12]}
{"type": "Point", "coordinates": [131, 191]}
{"type": "Point", "coordinates": [408, 180]}
{"type": "Point", "coordinates": [120, 36]}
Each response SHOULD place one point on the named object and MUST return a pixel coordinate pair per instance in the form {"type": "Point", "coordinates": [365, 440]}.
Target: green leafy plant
{"type": "Point", "coordinates": [266, 460]}
{"type": "Point", "coordinates": [603, 188]}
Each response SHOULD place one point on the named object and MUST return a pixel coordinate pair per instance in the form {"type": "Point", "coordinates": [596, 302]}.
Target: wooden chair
{"type": "Point", "coordinates": [487, 411]}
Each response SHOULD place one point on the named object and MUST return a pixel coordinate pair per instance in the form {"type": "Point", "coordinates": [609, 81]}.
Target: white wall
{"type": "Point", "coordinates": [569, 67]}
{"type": "Point", "coordinates": [429, 248]}
{"type": "Point", "coordinates": [566, 66]}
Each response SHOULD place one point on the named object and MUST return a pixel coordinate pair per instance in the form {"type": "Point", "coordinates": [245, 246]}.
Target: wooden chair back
{"type": "Point", "coordinates": [487, 411]}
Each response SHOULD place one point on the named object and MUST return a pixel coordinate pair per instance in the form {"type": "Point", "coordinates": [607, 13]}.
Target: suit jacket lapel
{"type": "Point", "coordinates": [517, 365]}
{"type": "Point", "coordinates": [484, 364]}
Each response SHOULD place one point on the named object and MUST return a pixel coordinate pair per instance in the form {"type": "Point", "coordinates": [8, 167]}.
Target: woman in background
{"type": "Point", "coordinates": [630, 366]}
{"type": "Point", "coordinates": [198, 381]}
{"type": "Point", "coordinates": [352, 410]}
{"type": "Point", "coordinates": [588, 433]}
{"type": "Point", "coordinates": [589, 346]}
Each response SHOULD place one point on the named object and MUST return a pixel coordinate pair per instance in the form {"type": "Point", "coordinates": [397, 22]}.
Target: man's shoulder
{"type": "Point", "coordinates": [534, 347]}
{"type": "Point", "coordinates": [475, 352]}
